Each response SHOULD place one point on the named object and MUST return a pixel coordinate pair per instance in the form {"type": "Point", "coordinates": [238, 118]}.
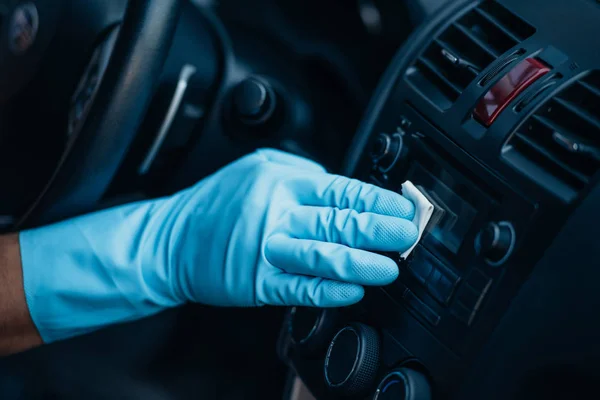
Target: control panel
{"type": "Point", "coordinates": [491, 111]}
{"type": "Point", "coordinates": [468, 247]}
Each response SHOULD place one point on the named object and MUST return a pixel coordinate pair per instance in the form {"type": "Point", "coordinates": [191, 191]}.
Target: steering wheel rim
{"type": "Point", "coordinates": [95, 151]}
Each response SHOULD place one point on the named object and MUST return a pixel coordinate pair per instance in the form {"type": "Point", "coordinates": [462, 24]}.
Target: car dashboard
{"type": "Point", "coordinates": [491, 109]}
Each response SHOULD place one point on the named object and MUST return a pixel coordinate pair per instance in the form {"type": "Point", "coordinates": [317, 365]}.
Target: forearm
{"type": "Point", "coordinates": [93, 271]}
{"type": "Point", "coordinates": [17, 331]}
{"type": "Point", "coordinates": [79, 276]}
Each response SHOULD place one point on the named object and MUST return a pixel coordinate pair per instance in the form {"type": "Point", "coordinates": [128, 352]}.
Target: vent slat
{"type": "Point", "coordinates": [584, 115]}
{"type": "Point", "coordinates": [445, 45]}
{"type": "Point", "coordinates": [499, 24]}
{"type": "Point", "coordinates": [487, 48]}
{"type": "Point", "coordinates": [562, 139]}
{"type": "Point", "coordinates": [551, 125]}
{"type": "Point", "coordinates": [433, 68]}
{"type": "Point", "coordinates": [460, 54]}
{"type": "Point", "coordinates": [595, 91]}
{"type": "Point", "coordinates": [452, 49]}
{"type": "Point", "coordinates": [551, 158]}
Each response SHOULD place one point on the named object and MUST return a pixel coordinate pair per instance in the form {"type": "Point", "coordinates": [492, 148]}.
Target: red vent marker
{"type": "Point", "coordinates": [508, 88]}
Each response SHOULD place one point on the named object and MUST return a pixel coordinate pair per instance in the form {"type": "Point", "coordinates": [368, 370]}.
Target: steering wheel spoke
{"type": "Point", "coordinates": [115, 106]}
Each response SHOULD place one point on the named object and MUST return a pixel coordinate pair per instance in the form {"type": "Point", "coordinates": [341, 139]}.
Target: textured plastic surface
{"type": "Point", "coordinates": [403, 384]}
{"type": "Point", "coordinates": [271, 228]}
{"type": "Point", "coordinates": [361, 362]}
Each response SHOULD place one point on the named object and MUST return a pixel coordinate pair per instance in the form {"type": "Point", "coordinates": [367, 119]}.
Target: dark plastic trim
{"type": "Point", "coordinates": [401, 60]}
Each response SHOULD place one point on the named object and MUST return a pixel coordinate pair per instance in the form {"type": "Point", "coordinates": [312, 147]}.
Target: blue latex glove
{"type": "Point", "coordinates": [271, 228]}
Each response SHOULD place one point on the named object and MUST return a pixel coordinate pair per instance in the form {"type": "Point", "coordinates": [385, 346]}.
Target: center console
{"type": "Point", "coordinates": [492, 110]}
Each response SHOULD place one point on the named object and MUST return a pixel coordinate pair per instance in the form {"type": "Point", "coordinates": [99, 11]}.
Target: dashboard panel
{"type": "Point", "coordinates": [491, 109]}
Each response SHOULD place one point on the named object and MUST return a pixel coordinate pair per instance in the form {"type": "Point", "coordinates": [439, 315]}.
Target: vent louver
{"type": "Point", "coordinates": [464, 49]}
{"type": "Point", "coordinates": [559, 146]}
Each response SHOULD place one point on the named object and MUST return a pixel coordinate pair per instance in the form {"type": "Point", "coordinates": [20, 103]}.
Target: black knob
{"type": "Point", "coordinates": [352, 360]}
{"type": "Point", "coordinates": [380, 146]}
{"type": "Point", "coordinates": [311, 328]}
{"type": "Point", "coordinates": [403, 384]}
{"type": "Point", "coordinates": [496, 242]}
{"type": "Point", "coordinates": [253, 101]}
{"type": "Point", "coordinates": [386, 150]}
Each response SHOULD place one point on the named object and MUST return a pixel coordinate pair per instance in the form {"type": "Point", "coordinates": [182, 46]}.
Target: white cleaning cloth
{"type": "Point", "coordinates": [423, 211]}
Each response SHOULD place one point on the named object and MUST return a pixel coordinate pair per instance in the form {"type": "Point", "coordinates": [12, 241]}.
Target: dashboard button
{"type": "Point", "coordinates": [468, 296]}
{"type": "Point", "coordinates": [478, 280]}
{"type": "Point", "coordinates": [440, 286]}
{"type": "Point", "coordinates": [462, 313]}
{"type": "Point", "coordinates": [439, 281]}
{"type": "Point", "coordinates": [508, 88]}
{"type": "Point", "coordinates": [471, 295]}
{"type": "Point", "coordinates": [421, 269]}
{"type": "Point", "coordinates": [419, 307]}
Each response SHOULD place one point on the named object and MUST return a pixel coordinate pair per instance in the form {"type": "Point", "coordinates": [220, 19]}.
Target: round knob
{"type": "Point", "coordinates": [386, 150]}
{"type": "Point", "coordinates": [253, 101]}
{"type": "Point", "coordinates": [311, 328]}
{"type": "Point", "coordinates": [496, 242]}
{"type": "Point", "coordinates": [403, 384]}
{"type": "Point", "coordinates": [352, 360]}
{"type": "Point", "coordinates": [381, 146]}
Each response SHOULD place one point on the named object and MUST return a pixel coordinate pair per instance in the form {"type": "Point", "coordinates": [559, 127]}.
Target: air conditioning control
{"type": "Point", "coordinates": [496, 242]}
{"type": "Point", "coordinates": [311, 329]}
{"type": "Point", "coordinates": [352, 360]}
{"type": "Point", "coordinates": [403, 384]}
{"type": "Point", "coordinates": [386, 150]}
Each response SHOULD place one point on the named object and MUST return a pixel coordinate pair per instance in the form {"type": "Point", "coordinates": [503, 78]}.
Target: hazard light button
{"type": "Point", "coordinates": [508, 88]}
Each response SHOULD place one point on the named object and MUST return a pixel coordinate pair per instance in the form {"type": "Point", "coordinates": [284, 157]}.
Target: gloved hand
{"type": "Point", "coordinates": [271, 228]}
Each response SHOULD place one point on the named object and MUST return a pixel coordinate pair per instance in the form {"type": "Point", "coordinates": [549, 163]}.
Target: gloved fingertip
{"type": "Point", "coordinates": [393, 204]}
{"type": "Point", "coordinates": [384, 273]}
{"type": "Point", "coordinates": [408, 209]}
{"type": "Point", "coordinates": [393, 234]}
{"type": "Point", "coordinates": [371, 269]}
{"type": "Point", "coordinates": [339, 294]}
{"type": "Point", "coordinates": [411, 232]}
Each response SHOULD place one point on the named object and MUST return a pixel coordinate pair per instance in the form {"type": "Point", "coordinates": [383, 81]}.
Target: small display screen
{"type": "Point", "coordinates": [453, 215]}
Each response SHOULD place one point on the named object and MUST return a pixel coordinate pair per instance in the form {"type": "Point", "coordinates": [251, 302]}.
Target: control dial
{"type": "Point", "coordinates": [352, 360]}
{"type": "Point", "coordinates": [386, 150]}
{"type": "Point", "coordinates": [311, 328]}
{"type": "Point", "coordinates": [496, 242]}
{"type": "Point", "coordinates": [403, 384]}
{"type": "Point", "coordinates": [253, 101]}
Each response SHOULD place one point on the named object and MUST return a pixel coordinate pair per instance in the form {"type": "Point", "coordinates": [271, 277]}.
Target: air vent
{"type": "Point", "coordinates": [467, 47]}
{"type": "Point", "coordinates": [559, 146]}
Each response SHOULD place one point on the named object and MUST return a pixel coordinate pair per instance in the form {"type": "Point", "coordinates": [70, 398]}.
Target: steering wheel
{"type": "Point", "coordinates": [111, 96]}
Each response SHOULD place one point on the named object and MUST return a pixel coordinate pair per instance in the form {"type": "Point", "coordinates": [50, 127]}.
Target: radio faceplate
{"type": "Point", "coordinates": [448, 284]}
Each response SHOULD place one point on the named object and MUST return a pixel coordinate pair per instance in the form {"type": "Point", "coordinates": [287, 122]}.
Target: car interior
{"type": "Point", "coordinates": [490, 107]}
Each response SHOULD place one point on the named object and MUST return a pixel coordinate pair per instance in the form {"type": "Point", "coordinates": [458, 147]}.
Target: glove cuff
{"type": "Point", "coordinates": [84, 274]}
